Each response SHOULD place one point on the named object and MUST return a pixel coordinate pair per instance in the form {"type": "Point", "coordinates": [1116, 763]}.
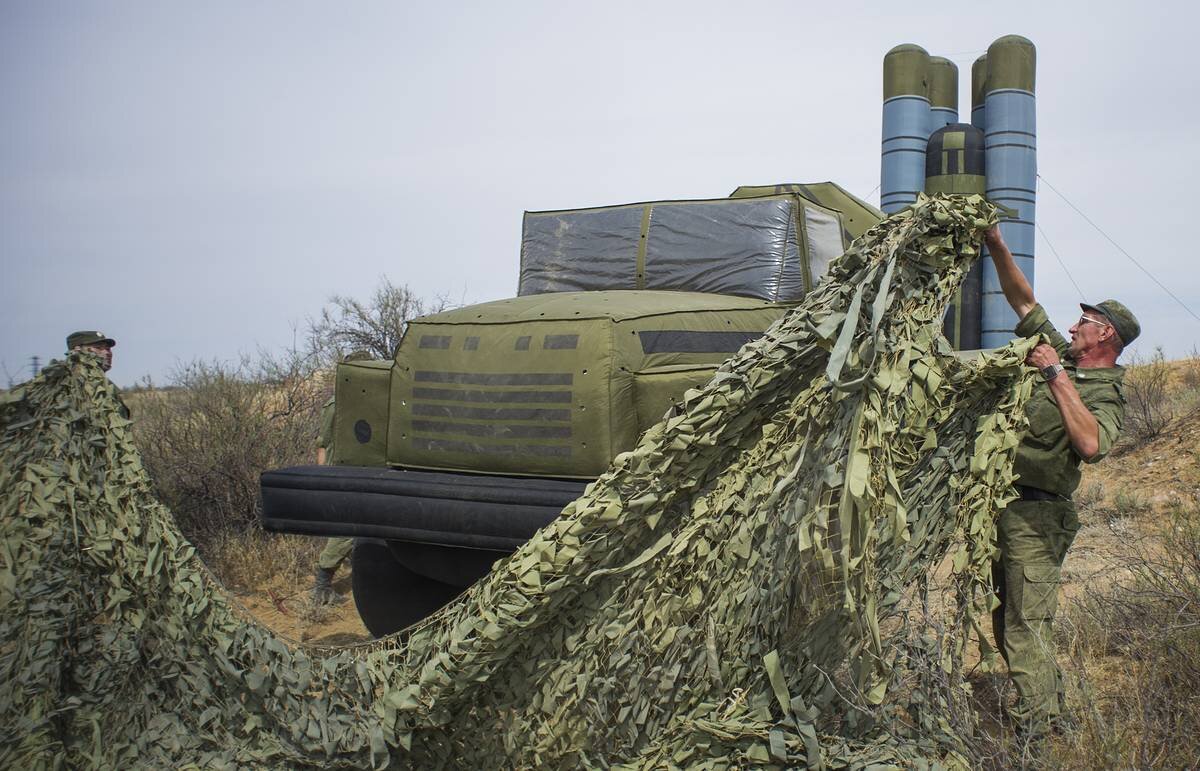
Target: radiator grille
{"type": "Point", "coordinates": [492, 413]}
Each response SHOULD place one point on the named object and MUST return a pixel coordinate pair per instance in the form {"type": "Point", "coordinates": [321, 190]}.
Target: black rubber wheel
{"type": "Point", "coordinates": [388, 595]}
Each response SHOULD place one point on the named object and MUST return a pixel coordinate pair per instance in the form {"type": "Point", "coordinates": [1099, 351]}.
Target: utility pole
{"type": "Point", "coordinates": [35, 365]}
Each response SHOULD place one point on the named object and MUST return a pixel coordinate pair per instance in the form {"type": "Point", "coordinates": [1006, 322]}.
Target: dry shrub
{"type": "Point", "coordinates": [376, 325]}
{"type": "Point", "coordinates": [1189, 375]}
{"type": "Point", "coordinates": [208, 434]}
{"type": "Point", "coordinates": [1149, 408]}
{"type": "Point", "coordinates": [246, 561]}
{"type": "Point", "coordinates": [1137, 647]}
{"type": "Point", "coordinates": [207, 437]}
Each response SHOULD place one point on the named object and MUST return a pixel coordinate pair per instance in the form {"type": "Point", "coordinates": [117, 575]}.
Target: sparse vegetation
{"type": "Point", "coordinates": [1189, 374]}
{"type": "Point", "coordinates": [1149, 408]}
{"type": "Point", "coordinates": [1090, 495]}
{"type": "Point", "coordinates": [1128, 503]}
{"type": "Point", "coordinates": [247, 560]}
{"type": "Point", "coordinates": [208, 433]}
{"type": "Point", "coordinates": [1136, 647]}
{"type": "Point", "coordinates": [206, 439]}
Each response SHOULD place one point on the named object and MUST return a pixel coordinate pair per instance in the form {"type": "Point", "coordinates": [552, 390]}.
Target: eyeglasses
{"type": "Point", "coordinates": [1089, 319]}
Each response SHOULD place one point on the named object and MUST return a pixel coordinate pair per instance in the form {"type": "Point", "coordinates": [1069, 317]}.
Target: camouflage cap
{"type": "Point", "coordinates": [88, 337]}
{"type": "Point", "coordinates": [1121, 318]}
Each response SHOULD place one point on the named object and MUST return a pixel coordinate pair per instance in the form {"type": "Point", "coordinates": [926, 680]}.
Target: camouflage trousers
{"type": "Point", "coordinates": [1033, 537]}
{"type": "Point", "coordinates": [335, 553]}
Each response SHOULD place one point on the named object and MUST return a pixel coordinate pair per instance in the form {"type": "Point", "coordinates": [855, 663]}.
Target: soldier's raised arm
{"type": "Point", "coordinates": [1016, 287]}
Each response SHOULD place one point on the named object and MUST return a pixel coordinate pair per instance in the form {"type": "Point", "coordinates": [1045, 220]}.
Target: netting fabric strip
{"type": "Point", "coordinates": [748, 586]}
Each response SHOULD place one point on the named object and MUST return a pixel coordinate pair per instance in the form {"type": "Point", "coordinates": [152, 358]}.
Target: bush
{"type": "Point", "coordinates": [1149, 408]}
{"type": "Point", "coordinates": [1190, 377]}
{"type": "Point", "coordinates": [207, 437]}
{"type": "Point", "coordinates": [208, 434]}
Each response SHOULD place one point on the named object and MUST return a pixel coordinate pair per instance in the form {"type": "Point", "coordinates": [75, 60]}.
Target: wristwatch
{"type": "Point", "coordinates": [1051, 372]}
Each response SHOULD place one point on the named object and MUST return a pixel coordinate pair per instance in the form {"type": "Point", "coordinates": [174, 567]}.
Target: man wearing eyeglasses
{"type": "Point", "coordinates": [1075, 415]}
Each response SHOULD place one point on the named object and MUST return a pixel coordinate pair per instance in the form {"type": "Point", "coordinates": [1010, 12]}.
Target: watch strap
{"type": "Point", "coordinates": [1051, 372]}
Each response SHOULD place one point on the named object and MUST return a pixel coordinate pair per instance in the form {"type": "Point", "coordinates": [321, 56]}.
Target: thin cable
{"type": "Point", "coordinates": [1121, 249]}
{"type": "Point", "coordinates": [1060, 262]}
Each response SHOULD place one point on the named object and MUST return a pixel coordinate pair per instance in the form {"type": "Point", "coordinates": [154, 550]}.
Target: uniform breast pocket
{"type": "Point", "coordinates": [1044, 418]}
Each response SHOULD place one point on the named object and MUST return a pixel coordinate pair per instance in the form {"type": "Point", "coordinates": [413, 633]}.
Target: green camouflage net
{"type": "Point", "coordinates": [749, 586]}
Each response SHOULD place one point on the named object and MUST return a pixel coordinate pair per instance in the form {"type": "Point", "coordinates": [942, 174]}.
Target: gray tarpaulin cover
{"type": "Point", "coordinates": [773, 248]}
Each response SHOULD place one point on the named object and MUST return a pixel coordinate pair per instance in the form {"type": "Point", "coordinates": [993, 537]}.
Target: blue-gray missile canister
{"type": "Point", "coordinates": [906, 121]}
{"type": "Point", "coordinates": [954, 163]}
{"type": "Point", "coordinates": [978, 91]}
{"type": "Point", "coordinates": [1011, 148]}
{"type": "Point", "coordinates": [943, 92]}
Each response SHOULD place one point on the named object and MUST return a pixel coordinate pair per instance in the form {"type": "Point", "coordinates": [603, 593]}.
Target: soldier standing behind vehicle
{"type": "Point", "coordinates": [1075, 415]}
{"type": "Point", "coordinates": [336, 549]}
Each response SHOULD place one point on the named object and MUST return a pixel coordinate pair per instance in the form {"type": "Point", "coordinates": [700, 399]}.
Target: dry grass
{"type": "Point", "coordinates": [244, 561]}
{"type": "Point", "coordinates": [1135, 647]}
{"type": "Point", "coordinates": [206, 439]}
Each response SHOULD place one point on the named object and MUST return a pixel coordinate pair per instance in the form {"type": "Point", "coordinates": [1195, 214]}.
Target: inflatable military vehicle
{"type": "Point", "coordinates": [492, 417]}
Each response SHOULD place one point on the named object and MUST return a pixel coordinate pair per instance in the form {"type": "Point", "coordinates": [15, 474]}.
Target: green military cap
{"type": "Point", "coordinates": [88, 337]}
{"type": "Point", "coordinates": [1121, 318]}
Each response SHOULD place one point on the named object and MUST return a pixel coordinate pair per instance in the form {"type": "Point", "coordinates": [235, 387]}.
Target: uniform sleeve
{"type": "Point", "coordinates": [1108, 408]}
{"type": "Point", "coordinates": [325, 438]}
{"type": "Point", "coordinates": [1036, 322]}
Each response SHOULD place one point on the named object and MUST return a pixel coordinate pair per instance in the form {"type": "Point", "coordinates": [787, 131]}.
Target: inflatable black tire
{"type": "Point", "coordinates": [388, 595]}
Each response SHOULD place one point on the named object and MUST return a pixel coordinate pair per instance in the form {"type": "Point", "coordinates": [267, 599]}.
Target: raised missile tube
{"type": "Point", "coordinates": [978, 91]}
{"type": "Point", "coordinates": [954, 163]}
{"type": "Point", "coordinates": [906, 126]}
{"type": "Point", "coordinates": [1011, 160]}
{"type": "Point", "coordinates": [943, 92]}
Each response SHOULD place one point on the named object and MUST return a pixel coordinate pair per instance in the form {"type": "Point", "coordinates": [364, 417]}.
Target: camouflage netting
{"type": "Point", "coordinates": [747, 586]}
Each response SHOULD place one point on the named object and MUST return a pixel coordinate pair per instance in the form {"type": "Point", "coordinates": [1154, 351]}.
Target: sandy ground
{"type": "Point", "coordinates": [284, 604]}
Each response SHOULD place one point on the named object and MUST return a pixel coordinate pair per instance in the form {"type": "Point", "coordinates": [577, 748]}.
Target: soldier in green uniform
{"type": "Point", "coordinates": [1075, 415]}
{"type": "Point", "coordinates": [336, 549]}
{"type": "Point", "coordinates": [102, 345]}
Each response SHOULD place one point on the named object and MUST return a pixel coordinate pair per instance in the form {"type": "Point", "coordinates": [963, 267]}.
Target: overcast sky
{"type": "Point", "coordinates": [195, 179]}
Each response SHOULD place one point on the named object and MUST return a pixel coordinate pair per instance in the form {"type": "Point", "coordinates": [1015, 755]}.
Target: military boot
{"type": "Point", "coordinates": [323, 592]}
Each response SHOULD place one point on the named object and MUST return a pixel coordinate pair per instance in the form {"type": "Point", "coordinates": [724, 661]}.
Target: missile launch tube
{"type": "Point", "coordinates": [954, 163]}
{"type": "Point", "coordinates": [943, 93]}
{"type": "Point", "coordinates": [906, 122]}
{"type": "Point", "coordinates": [1011, 141]}
{"type": "Point", "coordinates": [978, 91]}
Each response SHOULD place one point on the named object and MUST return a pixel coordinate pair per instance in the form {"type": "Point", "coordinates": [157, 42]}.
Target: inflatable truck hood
{"type": "Point", "coordinates": [550, 385]}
